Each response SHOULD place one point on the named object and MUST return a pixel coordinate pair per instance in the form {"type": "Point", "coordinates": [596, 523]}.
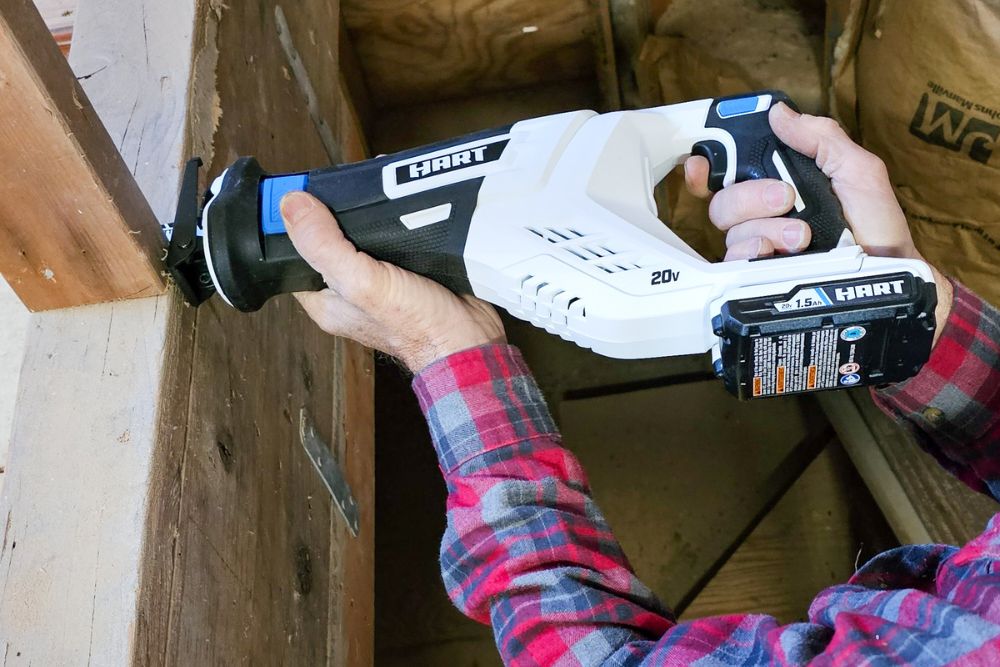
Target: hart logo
{"type": "Point", "coordinates": [854, 292]}
{"type": "Point", "coordinates": [941, 124]}
{"type": "Point", "coordinates": [444, 164]}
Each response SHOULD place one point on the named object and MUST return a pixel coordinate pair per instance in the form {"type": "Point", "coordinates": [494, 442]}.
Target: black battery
{"type": "Point", "coordinates": [827, 335]}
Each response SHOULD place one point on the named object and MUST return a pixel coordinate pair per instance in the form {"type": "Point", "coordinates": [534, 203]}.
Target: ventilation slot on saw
{"type": "Point", "coordinates": [556, 236]}
{"type": "Point", "coordinates": [602, 256]}
{"type": "Point", "coordinates": [548, 304]}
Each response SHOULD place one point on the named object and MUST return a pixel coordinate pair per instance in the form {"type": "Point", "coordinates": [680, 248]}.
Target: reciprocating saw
{"type": "Point", "coordinates": [554, 220]}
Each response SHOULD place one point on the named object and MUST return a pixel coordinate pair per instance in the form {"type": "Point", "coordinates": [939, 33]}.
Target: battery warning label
{"type": "Point", "coordinates": [798, 362]}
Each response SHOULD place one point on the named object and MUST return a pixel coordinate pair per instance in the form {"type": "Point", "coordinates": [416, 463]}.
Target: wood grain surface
{"type": "Point", "coordinates": [74, 227]}
{"type": "Point", "coordinates": [257, 535]}
{"type": "Point", "coordinates": [414, 52]}
{"type": "Point", "coordinates": [159, 508]}
{"type": "Point", "coordinates": [675, 482]}
{"type": "Point", "coordinates": [816, 536]}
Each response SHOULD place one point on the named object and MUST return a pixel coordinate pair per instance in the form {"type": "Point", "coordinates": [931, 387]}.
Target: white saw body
{"type": "Point", "coordinates": [554, 219]}
{"type": "Point", "coordinates": [567, 236]}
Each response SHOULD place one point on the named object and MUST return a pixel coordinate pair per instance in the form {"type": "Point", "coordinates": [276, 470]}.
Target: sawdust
{"type": "Point", "coordinates": [206, 105]}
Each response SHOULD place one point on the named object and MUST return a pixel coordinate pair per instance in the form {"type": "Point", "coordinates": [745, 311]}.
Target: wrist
{"type": "Point", "coordinates": [946, 296]}
{"type": "Point", "coordinates": [427, 355]}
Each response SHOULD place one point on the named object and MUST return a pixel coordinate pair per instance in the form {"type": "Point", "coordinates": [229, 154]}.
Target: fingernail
{"type": "Point", "coordinates": [778, 196]}
{"type": "Point", "coordinates": [758, 246]}
{"type": "Point", "coordinates": [785, 110]}
{"type": "Point", "coordinates": [793, 235]}
{"type": "Point", "coordinates": [295, 206]}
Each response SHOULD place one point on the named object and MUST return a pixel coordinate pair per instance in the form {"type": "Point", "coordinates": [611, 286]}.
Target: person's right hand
{"type": "Point", "coordinates": [380, 305]}
{"type": "Point", "coordinates": [750, 212]}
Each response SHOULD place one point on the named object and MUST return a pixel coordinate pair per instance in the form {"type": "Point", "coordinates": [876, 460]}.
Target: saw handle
{"type": "Point", "coordinates": [760, 154]}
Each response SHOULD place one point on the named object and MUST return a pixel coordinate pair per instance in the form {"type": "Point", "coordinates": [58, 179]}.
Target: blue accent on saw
{"type": "Point", "coordinates": [272, 190]}
{"type": "Point", "coordinates": [740, 107]}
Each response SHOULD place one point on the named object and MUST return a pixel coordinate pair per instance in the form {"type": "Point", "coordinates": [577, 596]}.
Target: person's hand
{"type": "Point", "coordinates": [381, 305]}
{"type": "Point", "coordinates": [750, 212]}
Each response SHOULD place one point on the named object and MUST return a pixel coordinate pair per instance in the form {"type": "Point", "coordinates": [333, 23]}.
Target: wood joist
{"type": "Point", "coordinates": [158, 507]}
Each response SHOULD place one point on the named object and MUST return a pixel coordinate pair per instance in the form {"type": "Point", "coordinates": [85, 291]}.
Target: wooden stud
{"type": "Point", "coordinates": [158, 507]}
{"type": "Point", "coordinates": [632, 21]}
{"type": "Point", "coordinates": [921, 501]}
{"type": "Point", "coordinates": [74, 227]}
{"type": "Point", "coordinates": [605, 56]}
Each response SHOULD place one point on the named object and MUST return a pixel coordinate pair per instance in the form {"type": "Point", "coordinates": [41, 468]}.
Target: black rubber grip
{"type": "Point", "coordinates": [822, 209]}
{"type": "Point", "coordinates": [435, 251]}
{"type": "Point", "coordinates": [756, 146]}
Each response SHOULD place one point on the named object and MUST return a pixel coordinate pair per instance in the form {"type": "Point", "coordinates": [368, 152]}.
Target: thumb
{"type": "Point", "coordinates": [318, 238]}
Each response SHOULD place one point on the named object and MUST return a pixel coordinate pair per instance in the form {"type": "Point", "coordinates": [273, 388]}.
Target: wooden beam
{"type": "Point", "coordinates": [74, 227]}
{"type": "Point", "coordinates": [354, 81]}
{"type": "Point", "coordinates": [921, 501]}
{"type": "Point", "coordinates": [632, 21]}
{"type": "Point", "coordinates": [815, 537]}
{"type": "Point", "coordinates": [676, 553]}
{"type": "Point", "coordinates": [178, 519]}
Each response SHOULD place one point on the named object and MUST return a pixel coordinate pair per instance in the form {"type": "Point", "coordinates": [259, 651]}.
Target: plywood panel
{"type": "Point", "coordinates": [414, 52]}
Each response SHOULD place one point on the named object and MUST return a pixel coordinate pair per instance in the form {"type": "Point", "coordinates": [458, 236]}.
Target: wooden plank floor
{"type": "Point", "coordinates": [680, 472]}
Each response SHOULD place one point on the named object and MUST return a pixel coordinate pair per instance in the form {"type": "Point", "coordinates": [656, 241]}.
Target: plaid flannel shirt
{"type": "Point", "coordinates": [528, 551]}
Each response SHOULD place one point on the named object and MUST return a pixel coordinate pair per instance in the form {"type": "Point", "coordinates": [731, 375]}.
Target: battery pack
{"type": "Point", "coordinates": [828, 335]}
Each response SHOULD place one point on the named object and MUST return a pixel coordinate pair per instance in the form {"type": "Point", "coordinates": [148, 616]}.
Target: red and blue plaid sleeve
{"type": "Point", "coordinates": [528, 552]}
{"type": "Point", "coordinates": [526, 547]}
{"type": "Point", "coordinates": [953, 406]}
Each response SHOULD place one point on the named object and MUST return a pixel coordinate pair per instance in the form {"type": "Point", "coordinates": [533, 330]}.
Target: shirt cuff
{"type": "Point", "coordinates": [480, 400]}
{"type": "Point", "coordinates": [950, 394]}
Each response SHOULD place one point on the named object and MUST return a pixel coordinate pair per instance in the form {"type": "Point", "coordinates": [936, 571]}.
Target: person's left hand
{"type": "Point", "coordinates": [378, 304]}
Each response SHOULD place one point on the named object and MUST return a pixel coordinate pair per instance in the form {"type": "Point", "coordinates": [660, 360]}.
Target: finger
{"type": "Point", "coordinates": [750, 249]}
{"type": "Point", "coordinates": [696, 170]}
{"type": "Point", "coordinates": [750, 200]}
{"type": "Point", "coordinates": [318, 238]}
{"type": "Point", "coordinates": [860, 179]}
{"type": "Point", "coordinates": [785, 234]}
{"type": "Point", "coordinates": [826, 141]}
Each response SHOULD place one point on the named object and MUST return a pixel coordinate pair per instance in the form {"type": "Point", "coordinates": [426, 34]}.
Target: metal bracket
{"type": "Point", "coordinates": [331, 474]}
